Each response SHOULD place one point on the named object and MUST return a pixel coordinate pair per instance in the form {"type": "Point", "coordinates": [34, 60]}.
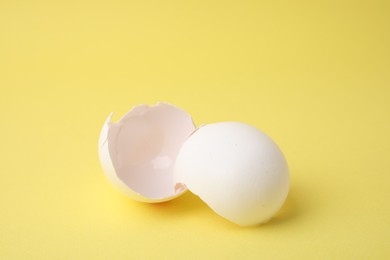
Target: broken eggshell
{"type": "Point", "coordinates": [139, 151]}
{"type": "Point", "coordinates": [236, 169]}
{"type": "Point", "coordinates": [153, 154]}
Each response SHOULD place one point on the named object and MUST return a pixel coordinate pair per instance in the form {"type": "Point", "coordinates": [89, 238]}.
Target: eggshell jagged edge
{"type": "Point", "coordinates": [110, 172]}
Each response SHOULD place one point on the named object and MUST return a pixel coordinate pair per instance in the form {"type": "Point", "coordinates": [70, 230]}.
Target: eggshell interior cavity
{"type": "Point", "coordinates": [138, 153]}
{"type": "Point", "coordinates": [236, 169]}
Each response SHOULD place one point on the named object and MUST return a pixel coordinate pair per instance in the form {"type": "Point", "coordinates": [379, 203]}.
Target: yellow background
{"type": "Point", "coordinates": [314, 75]}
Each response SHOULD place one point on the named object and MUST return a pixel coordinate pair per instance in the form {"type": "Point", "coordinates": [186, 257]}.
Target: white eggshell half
{"type": "Point", "coordinates": [236, 169]}
{"type": "Point", "coordinates": [138, 153]}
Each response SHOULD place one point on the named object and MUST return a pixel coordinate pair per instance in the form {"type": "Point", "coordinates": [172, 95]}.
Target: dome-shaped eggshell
{"type": "Point", "coordinates": [236, 169]}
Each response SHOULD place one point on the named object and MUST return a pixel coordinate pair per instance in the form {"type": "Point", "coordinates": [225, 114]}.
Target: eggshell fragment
{"type": "Point", "coordinates": [236, 169]}
{"type": "Point", "coordinates": [138, 153]}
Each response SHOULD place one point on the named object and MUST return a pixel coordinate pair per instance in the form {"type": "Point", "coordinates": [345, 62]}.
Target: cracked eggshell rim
{"type": "Point", "coordinates": [107, 144]}
{"type": "Point", "coordinates": [108, 168]}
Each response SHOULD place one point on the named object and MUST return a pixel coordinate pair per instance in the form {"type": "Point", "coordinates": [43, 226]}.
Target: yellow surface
{"type": "Point", "coordinates": [314, 75]}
